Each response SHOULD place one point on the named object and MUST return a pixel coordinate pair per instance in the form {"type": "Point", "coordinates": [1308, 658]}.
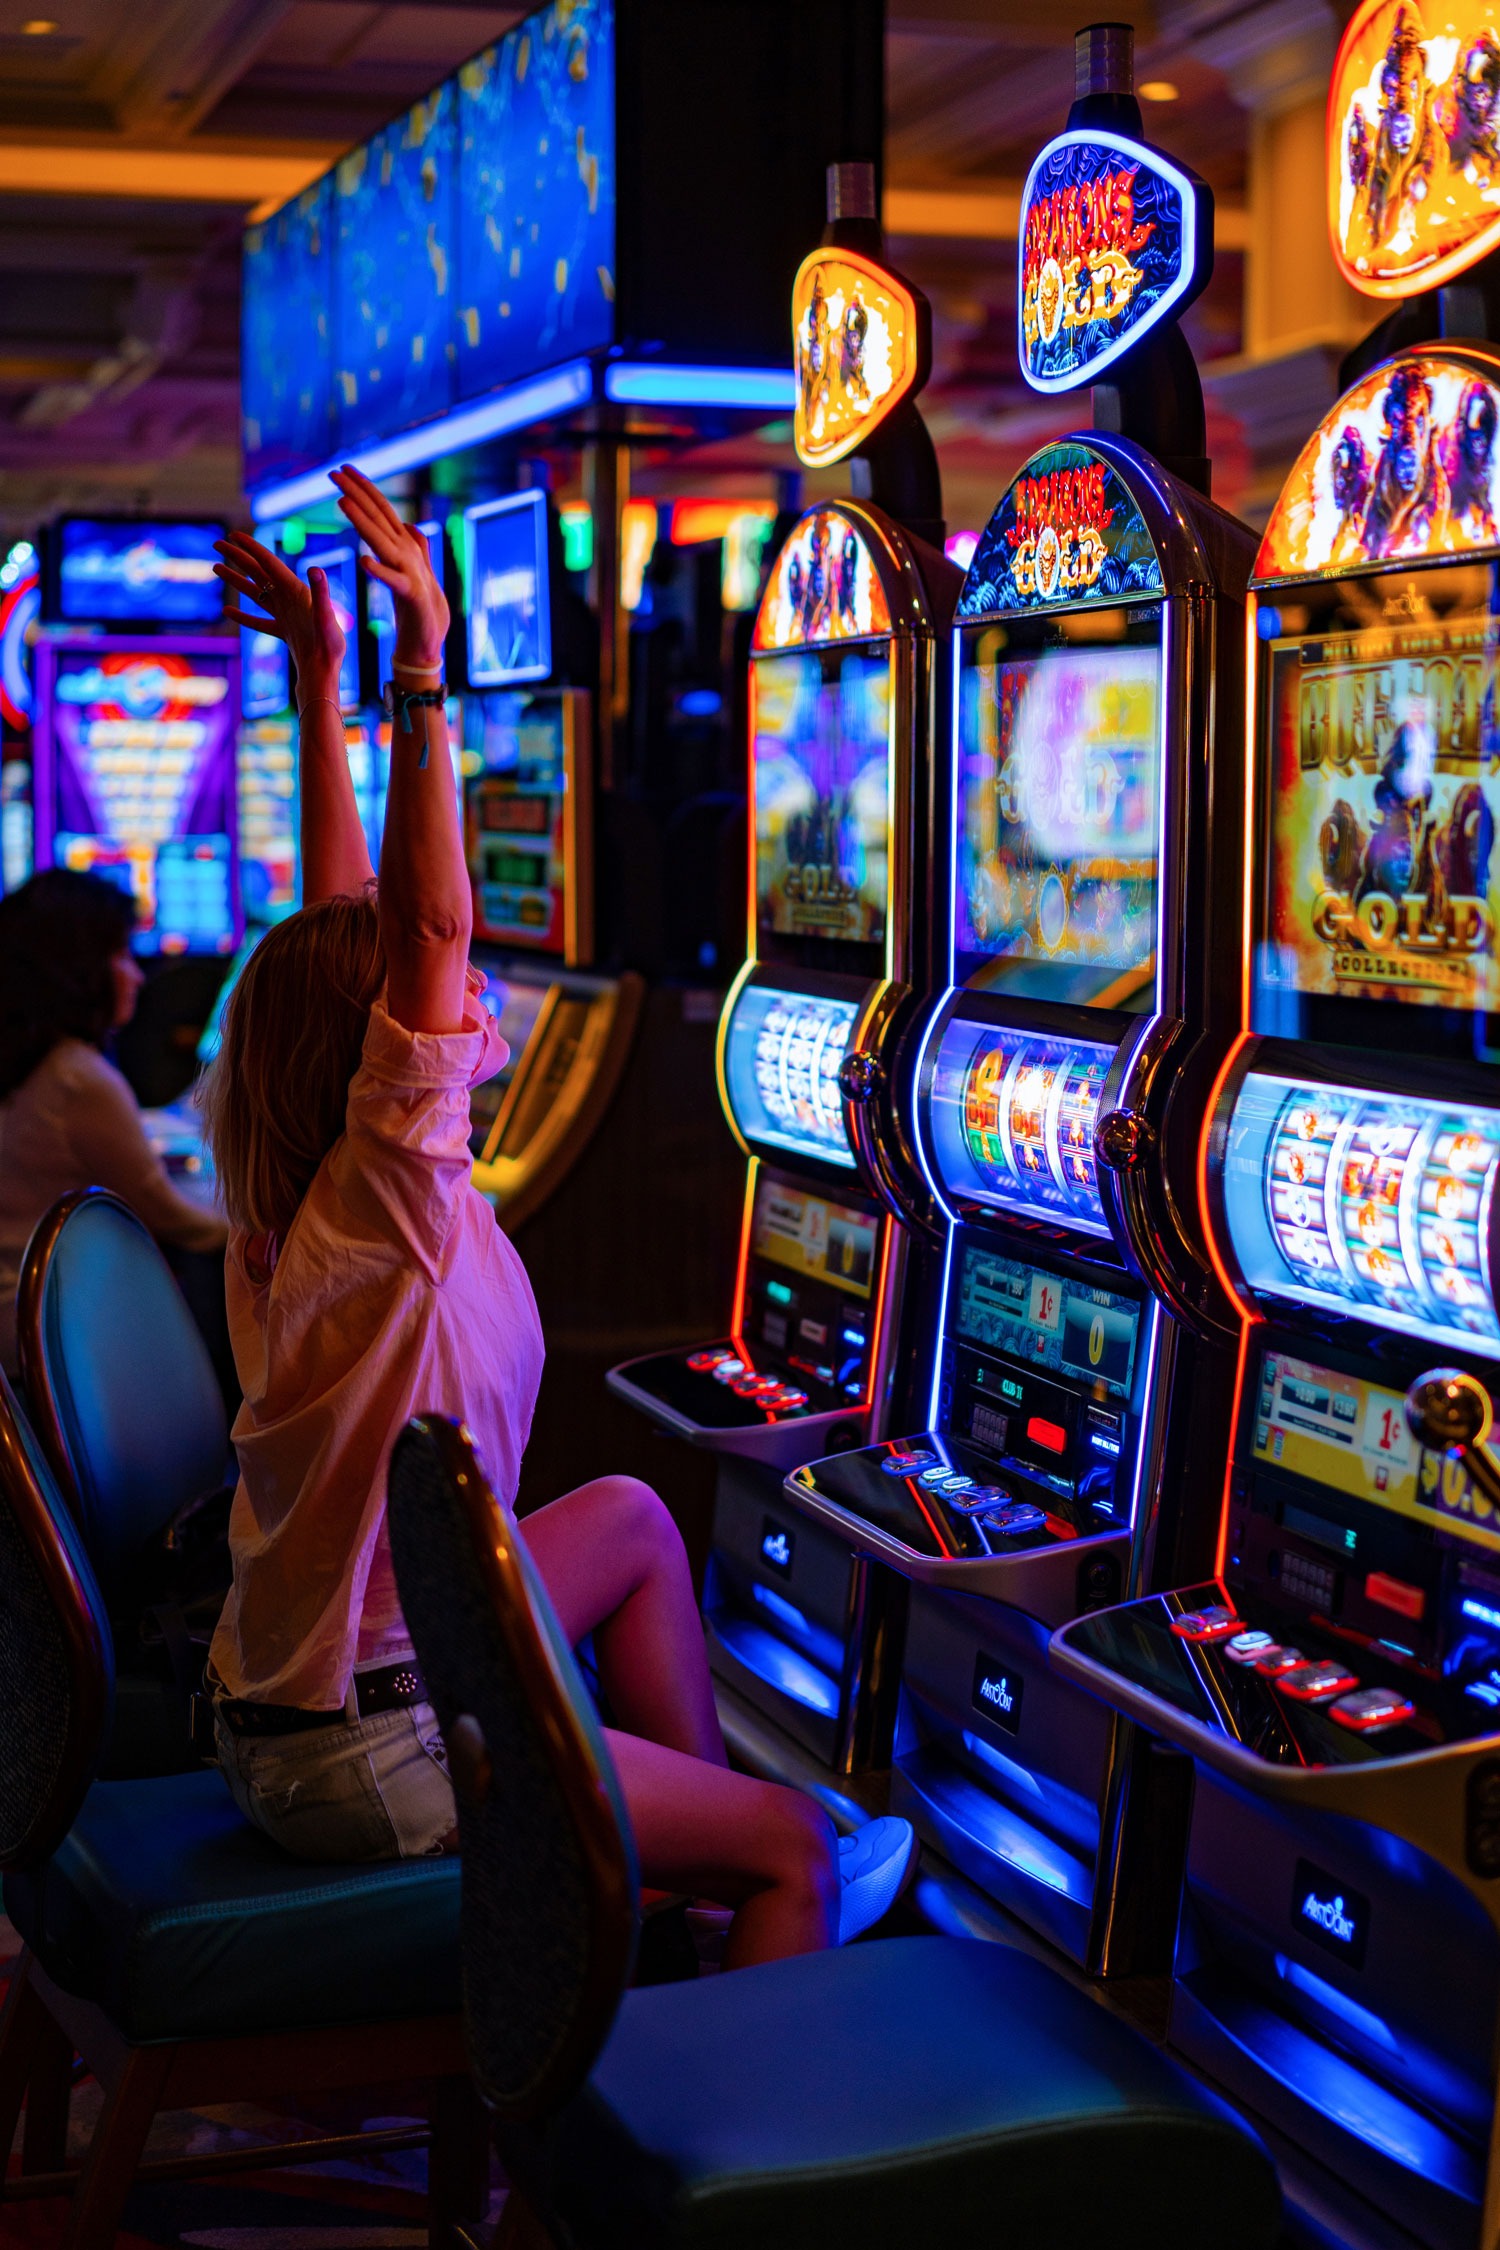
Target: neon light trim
{"type": "Point", "coordinates": [651, 384]}
{"type": "Point", "coordinates": [511, 409]}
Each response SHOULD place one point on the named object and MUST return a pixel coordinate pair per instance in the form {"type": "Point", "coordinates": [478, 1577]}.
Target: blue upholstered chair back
{"type": "Point", "coordinates": [126, 1401]}
{"type": "Point", "coordinates": [550, 1887]}
{"type": "Point", "coordinates": [57, 1661]}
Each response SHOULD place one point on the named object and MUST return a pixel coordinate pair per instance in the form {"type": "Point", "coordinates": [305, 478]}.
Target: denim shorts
{"type": "Point", "coordinates": [362, 1789]}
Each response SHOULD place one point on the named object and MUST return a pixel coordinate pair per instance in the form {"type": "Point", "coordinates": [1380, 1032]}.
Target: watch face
{"type": "Point", "coordinates": [1315, 1683]}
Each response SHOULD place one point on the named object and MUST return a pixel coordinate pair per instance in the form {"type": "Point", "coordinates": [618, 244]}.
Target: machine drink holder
{"type": "Point", "coordinates": [1091, 998]}
{"type": "Point", "coordinates": [846, 701]}
{"type": "Point", "coordinates": [1336, 1679]}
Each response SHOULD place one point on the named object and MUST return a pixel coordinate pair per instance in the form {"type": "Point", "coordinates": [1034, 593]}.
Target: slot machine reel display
{"type": "Point", "coordinates": [1091, 999]}
{"type": "Point", "coordinates": [841, 719]}
{"type": "Point", "coordinates": [1336, 1679]}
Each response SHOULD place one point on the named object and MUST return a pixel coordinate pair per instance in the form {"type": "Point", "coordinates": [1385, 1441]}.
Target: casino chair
{"type": "Point", "coordinates": [129, 1413]}
{"type": "Point", "coordinates": [910, 2090]}
{"type": "Point", "coordinates": [183, 1956]}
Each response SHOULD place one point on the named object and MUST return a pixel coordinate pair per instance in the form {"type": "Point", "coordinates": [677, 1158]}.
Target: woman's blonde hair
{"type": "Point", "coordinates": [293, 1032]}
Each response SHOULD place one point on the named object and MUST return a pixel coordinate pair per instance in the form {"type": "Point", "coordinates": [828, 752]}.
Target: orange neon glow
{"type": "Point", "coordinates": [882, 1310]}
{"type": "Point", "coordinates": [697, 520]}
{"type": "Point", "coordinates": [1234, 1422]}
{"type": "Point", "coordinates": [737, 1318]}
{"type": "Point", "coordinates": [1411, 140]}
{"type": "Point", "coordinates": [1210, 1110]}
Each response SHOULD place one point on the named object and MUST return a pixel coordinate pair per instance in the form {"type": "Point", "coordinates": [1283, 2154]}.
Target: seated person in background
{"type": "Point", "coordinates": [369, 1282]}
{"type": "Point", "coordinates": [67, 1117]}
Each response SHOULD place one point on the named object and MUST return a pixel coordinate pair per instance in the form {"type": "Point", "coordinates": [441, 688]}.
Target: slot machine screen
{"type": "Point", "coordinates": [1381, 765]}
{"type": "Point", "coordinates": [136, 781]}
{"type": "Point", "coordinates": [1013, 1118]}
{"type": "Point", "coordinates": [266, 764]}
{"type": "Point", "coordinates": [1059, 755]}
{"type": "Point", "coordinates": [821, 727]}
{"type": "Point", "coordinates": [1049, 1320]}
{"type": "Point", "coordinates": [810, 1283]}
{"type": "Point", "coordinates": [338, 564]}
{"type": "Point", "coordinates": [514, 817]}
{"type": "Point", "coordinates": [781, 1067]}
{"type": "Point", "coordinates": [1372, 1204]}
{"type": "Point", "coordinates": [265, 674]}
{"type": "Point", "coordinates": [510, 613]}
{"type": "Point", "coordinates": [1350, 1436]}
{"type": "Point", "coordinates": [115, 573]}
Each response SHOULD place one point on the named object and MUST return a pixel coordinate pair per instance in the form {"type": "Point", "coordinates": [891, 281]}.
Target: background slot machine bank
{"type": "Point", "coordinates": [521, 740]}
{"type": "Point", "coordinates": [1336, 1678]}
{"type": "Point", "coordinates": [846, 711]}
{"type": "Point", "coordinates": [1080, 1347]}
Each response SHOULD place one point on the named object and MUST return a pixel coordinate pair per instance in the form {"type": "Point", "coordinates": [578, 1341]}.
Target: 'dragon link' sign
{"type": "Point", "coordinates": [1066, 531]}
{"type": "Point", "coordinates": [1114, 238]}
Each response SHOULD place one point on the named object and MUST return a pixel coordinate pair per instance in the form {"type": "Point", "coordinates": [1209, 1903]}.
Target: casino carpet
{"type": "Point", "coordinates": [368, 2203]}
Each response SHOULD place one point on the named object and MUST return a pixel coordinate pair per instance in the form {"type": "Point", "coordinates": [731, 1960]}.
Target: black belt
{"type": "Point", "coordinates": [390, 1688]}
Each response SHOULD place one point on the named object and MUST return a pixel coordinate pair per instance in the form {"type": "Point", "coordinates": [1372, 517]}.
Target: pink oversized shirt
{"type": "Point", "coordinates": [393, 1294]}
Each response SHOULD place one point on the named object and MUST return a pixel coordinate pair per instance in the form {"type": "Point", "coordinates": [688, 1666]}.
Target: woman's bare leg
{"type": "Point", "coordinates": [614, 1564]}
{"type": "Point", "coordinates": [767, 1852]}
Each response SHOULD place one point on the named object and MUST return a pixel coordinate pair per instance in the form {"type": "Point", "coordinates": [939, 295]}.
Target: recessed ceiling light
{"type": "Point", "coordinates": [38, 27]}
{"type": "Point", "coordinates": [1158, 90]}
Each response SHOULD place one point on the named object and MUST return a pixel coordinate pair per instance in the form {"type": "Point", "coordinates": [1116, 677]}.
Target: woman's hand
{"type": "Point", "coordinates": [399, 558]}
{"type": "Point", "coordinates": [297, 612]}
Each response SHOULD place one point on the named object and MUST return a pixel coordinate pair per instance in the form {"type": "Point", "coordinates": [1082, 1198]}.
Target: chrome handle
{"type": "Point", "coordinates": [861, 1076]}
{"type": "Point", "coordinates": [1123, 1140]}
{"type": "Point", "coordinates": [1449, 1412]}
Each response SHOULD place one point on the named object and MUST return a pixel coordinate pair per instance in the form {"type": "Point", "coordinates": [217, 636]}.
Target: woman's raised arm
{"type": "Point", "coordinates": [426, 907]}
{"type": "Point", "coordinates": [335, 855]}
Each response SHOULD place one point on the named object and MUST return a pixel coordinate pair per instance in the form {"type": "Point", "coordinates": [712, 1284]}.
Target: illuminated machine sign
{"type": "Point", "coordinates": [862, 339]}
{"type": "Point", "coordinates": [820, 735]}
{"type": "Point", "coordinates": [781, 1069]}
{"type": "Point", "coordinates": [1329, 1913]}
{"type": "Point", "coordinates": [1377, 1205]}
{"type": "Point", "coordinates": [20, 607]}
{"type": "Point", "coordinates": [1066, 531]}
{"type": "Point", "coordinates": [136, 780]}
{"type": "Point", "coordinates": [1114, 238]}
{"type": "Point", "coordinates": [1414, 144]}
{"type": "Point", "coordinates": [1382, 880]}
{"type": "Point", "coordinates": [998, 1692]}
{"type": "Point", "coordinates": [1404, 469]}
{"type": "Point", "coordinates": [1013, 1120]}
{"type": "Point", "coordinates": [824, 586]}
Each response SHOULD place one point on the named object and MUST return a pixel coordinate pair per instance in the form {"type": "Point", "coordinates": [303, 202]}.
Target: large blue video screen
{"type": "Point", "coordinates": [536, 207]}
{"type": "Point", "coordinates": [286, 339]}
{"type": "Point", "coordinates": [510, 615]}
{"type": "Point", "coordinates": [137, 573]}
{"type": "Point", "coordinates": [393, 207]}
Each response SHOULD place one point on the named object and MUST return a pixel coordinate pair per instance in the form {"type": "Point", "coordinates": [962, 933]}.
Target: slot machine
{"type": "Point", "coordinates": [844, 701]}
{"type": "Point", "coordinates": [1080, 1346]}
{"type": "Point", "coordinates": [1335, 1678]}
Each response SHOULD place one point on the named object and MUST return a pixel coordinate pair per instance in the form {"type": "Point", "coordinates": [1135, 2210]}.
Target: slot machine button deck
{"type": "Point", "coordinates": [1215, 1623]}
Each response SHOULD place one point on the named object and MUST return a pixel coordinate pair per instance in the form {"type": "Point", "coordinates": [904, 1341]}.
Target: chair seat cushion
{"type": "Point", "coordinates": [182, 1921]}
{"type": "Point", "coordinates": [911, 2091]}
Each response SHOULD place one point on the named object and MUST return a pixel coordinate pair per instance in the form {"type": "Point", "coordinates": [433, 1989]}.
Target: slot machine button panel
{"type": "Point", "coordinates": [1215, 1623]}
{"type": "Point", "coordinates": [1011, 1521]}
{"type": "Point", "coordinates": [901, 1464]}
{"type": "Point", "coordinates": [1315, 1682]}
{"type": "Point", "coordinates": [1371, 1710]}
{"type": "Point", "coordinates": [1248, 1648]}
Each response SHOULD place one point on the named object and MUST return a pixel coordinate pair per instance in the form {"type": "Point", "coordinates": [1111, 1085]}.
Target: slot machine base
{"type": "Point", "coordinates": [799, 1626]}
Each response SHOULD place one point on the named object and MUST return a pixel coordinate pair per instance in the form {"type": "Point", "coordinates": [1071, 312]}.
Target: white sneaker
{"type": "Point", "coordinates": [874, 1864]}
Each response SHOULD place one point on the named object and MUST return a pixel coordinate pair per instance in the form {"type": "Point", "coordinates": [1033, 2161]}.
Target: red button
{"type": "Point", "coordinates": [1050, 1434]}
{"type": "Point", "coordinates": [1394, 1593]}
